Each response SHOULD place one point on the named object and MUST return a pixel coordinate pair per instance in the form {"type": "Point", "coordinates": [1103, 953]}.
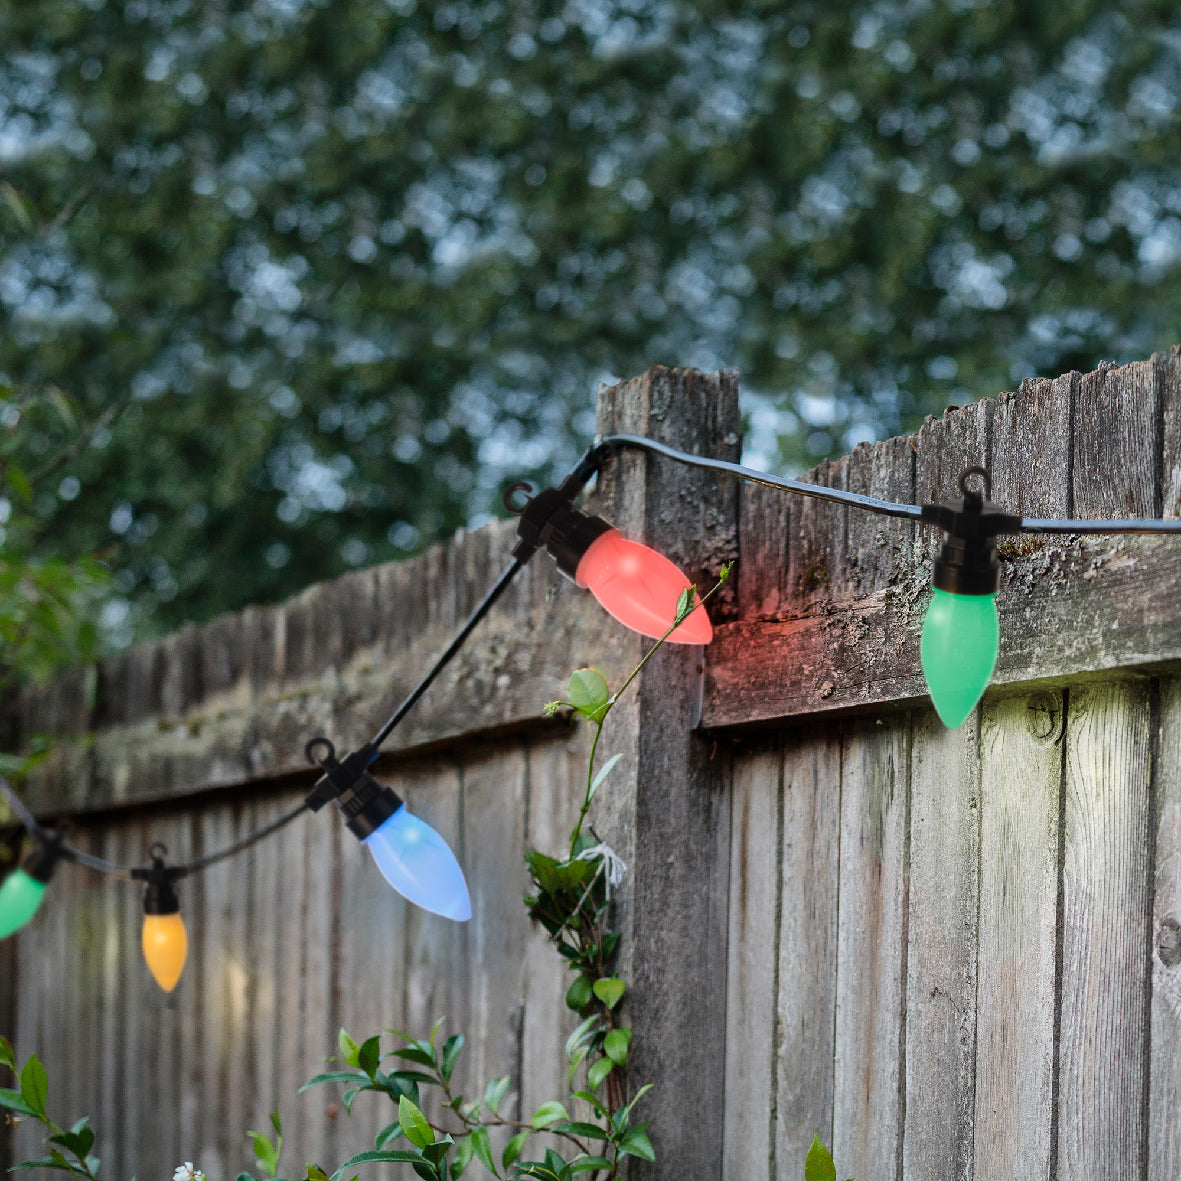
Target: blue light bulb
{"type": "Point", "coordinates": [419, 864]}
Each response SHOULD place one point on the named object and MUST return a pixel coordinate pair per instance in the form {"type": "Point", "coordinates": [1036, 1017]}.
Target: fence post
{"type": "Point", "coordinates": [666, 810]}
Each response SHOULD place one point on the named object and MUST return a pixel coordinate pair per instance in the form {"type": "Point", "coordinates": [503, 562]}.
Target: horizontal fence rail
{"type": "Point", "coordinates": [950, 954]}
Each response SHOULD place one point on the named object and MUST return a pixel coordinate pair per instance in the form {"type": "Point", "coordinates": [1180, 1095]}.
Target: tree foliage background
{"type": "Point", "coordinates": [316, 276]}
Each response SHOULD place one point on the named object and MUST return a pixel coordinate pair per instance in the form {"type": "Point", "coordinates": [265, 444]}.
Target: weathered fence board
{"type": "Point", "coordinates": [804, 1029]}
{"type": "Point", "coordinates": [955, 956]}
{"type": "Point", "coordinates": [1020, 791]}
{"type": "Point", "coordinates": [871, 950]}
{"type": "Point", "coordinates": [1164, 1126]}
{"type": "Point", "coordinates": [1105, 914]}
{"type": "Point", "coordinates": [941, 950]}
{"type": "Point", "coordinates": [751, 975]}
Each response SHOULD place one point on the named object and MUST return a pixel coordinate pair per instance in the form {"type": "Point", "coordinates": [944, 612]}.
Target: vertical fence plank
{"type": "Point", "coordinates": [1164, 1107]}
{"type": "Point", "coordinates": [494, 827]}
{"type": "Point", "coordinates": [1105, 881]}
{"type": "Point", "coordinates": [941, 956]}
{"type": "Point", "coordinates": [1021, 776]}
{"type": "Point", "coordinates": [1170, 392]}
{"type": "Point", "coordinates": [1031, 447]}
{"type": "Point", "coordinates": [871, 943]}
{"type": "Point", "coordinates": [879, 548]}
{"type": "Point", "coordinates": [806, 1000]}
{"type": "Point", "coordinates": [750, 967]}
{"type": "Point", "coordinates": [556, 783]}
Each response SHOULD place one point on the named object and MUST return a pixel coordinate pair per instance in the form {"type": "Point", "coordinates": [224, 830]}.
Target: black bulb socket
{"type": "Point", "coordinates": [41, 860]}
{"type": "Point", "coordinates": [550, 520]}
{"type": "Point", "coordinates": [364, 803]}
{"type": "Point", "coordinates": [159, 893]}
{"type": "Point", "coordinates": [967, 564]}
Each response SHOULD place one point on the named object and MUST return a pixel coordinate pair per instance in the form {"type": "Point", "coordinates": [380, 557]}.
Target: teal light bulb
{"type": "Point", "coordinates": [19, 898]}
{"type": "Point", "coordinates": [961, 635]}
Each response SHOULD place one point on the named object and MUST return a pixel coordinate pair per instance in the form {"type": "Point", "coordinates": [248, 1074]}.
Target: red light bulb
{"type": "Point", "coordinates": [640, 588]}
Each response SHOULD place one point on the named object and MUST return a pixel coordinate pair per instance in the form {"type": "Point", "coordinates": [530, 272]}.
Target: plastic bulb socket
{"type": "Point", "coordinates": [20, 895]}
{"type": "Point", "coordinates": [166, 946]}
{"type": "Point", "coordinates": [640, 588]}
{"type": "Point", "coordinates": [419, 864]}
{"type": "Point", "coordinates": [961, 637]}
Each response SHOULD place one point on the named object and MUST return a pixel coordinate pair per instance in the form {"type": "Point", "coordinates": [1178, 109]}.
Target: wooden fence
{"type": "Point", "coordinates": [951, 954]}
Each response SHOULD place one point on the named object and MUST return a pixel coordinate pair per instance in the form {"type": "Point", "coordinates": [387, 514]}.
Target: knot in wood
{"type": "Point", "coordinates": [1168, 944]}
{"type": "Point", "coordinates": [1044, 717]}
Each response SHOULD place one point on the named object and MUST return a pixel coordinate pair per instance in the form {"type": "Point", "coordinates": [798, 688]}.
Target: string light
{"type": "Point", "coordinates": [164, 939]}
{"type": "Point", "coordinates": [632, 583]}
{"type": "Point", "coordinates": [23, 890]}
{"type": "Point", "coordinates": [412, 857]}
{"type": "Point", "coordinates": [640, 588]}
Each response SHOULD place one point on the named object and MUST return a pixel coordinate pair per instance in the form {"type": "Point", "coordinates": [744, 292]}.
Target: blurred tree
{"type": "Point", "coordinates": [352, 264]}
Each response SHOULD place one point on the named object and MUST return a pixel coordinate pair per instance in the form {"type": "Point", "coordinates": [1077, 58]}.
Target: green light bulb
{"type": "Point", "coordinates": [961, 636]}
{"type": "Point", "coordinates": [19, 898]}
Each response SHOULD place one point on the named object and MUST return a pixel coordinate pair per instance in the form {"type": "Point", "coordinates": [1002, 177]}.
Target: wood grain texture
{"type": "Point", "coordinates": [668, 815]}
{"type": "Point", "coordinates": [1070, 609]}
{"type": "Point", "coordinates": [806, 999]}
{"type": "Point", "coordinates": [941, 950]}
{"type": "Point", "coordinates": [1164, 1105]}
{"type": "Point", "coordinates": [1102, 1042]}
{"type": "Point", "coordinates": [751, 968]}
{"type": "Point", "coordinates": [1021, 776]}
{"type": "Point", "coordinates": [1170, 392]}
{"type": "Point", "coordinates": [868, 1114]}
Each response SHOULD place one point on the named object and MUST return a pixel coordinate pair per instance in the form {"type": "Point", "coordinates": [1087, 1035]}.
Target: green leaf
{"type": "Point", "coordinates": [604, 771]}
{"type": "Point", "coordinates": [315, 1173]}
{"type": "Point", "coordinates": [818, 1166]}
{"type": "Point", "coordinates": [34, 1085]}
{"type": "Point", "coordinates": [7, 1057]}
{"type": "Point", "coordinates": [547, 1114]}
{"type": "Point", "coordinates": [483, 1149]}
{"type": "Point", "coordinates": [615, 1045]}
{"type": "Point", "coordinates": [595, 1102]}
{"type": "Point", "coordinates": [610, 990]}
{"type": "Point", "coordinates": [388, 1133]}
{"type": "Point", "coordinates": [587, 1164]}
{"type": "Point", "coordinates": [452, 1048]}
{"type": "Point", "coordinates": [513, 1148]}
{"type": "Point", "coordinates": [626, 1111]}
{"type": "Point", "coordinates": [579, 994]}
{"type": "Point", "coordinates": [461, 1157]}
{"type": "Point", "coordinates": [15, 1101]}
{"type": "Point", "coordinates": [369, 1055]}
{"type": "Point", "coordinates": [348, 1047]}
{"type": "Point", "coordinates": [266, 1154]}
{"type": "Point", "coordinates": [685, 602]}
{"type": "Point", "coordinates": [579, 1128]}
{"type": "Point", "coordinates": [582, 1034]}
{"type": "Point", "coordinates": [416, 1053]}
{"type": "Point", "coordinates": [635, 1142]}
{"type": "Point", "coordinates": [414, 1123]}
{"type": "Point", "coordinates": [495, 1092]}
{"type": "Point", "coordinates": [390, 1156]}
{"type": "Point", "coordinates": [589, 693]}
{"type": "Point", "coordinates": [598, 1071]}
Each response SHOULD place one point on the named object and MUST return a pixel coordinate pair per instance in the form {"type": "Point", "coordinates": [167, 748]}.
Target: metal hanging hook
{"type": "Point", "coordinates": [518, 486]}
{"type": "Point", "coordinates": [968, 494]}
{"type": "Point", "coordinates": [158, 857]}
{"type": "Point", "coordinates": [311, 747]}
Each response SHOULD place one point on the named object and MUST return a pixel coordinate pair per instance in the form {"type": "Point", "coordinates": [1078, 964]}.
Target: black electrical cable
{"type": "Point", "coordinates": [132, 873]}
{"type": "Point", "coordinates": [887, 508]}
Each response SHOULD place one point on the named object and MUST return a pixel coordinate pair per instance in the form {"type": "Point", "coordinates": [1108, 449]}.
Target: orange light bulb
{"type": "Point", "coordinates": [165, 944]}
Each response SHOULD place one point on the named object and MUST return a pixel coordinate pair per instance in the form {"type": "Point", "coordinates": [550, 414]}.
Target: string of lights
{"type": "Point", "coordinates": [637, 586]}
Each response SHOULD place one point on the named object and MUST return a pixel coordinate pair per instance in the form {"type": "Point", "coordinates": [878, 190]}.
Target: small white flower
{"type": "Point", "coordinates": [186, 1172]}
